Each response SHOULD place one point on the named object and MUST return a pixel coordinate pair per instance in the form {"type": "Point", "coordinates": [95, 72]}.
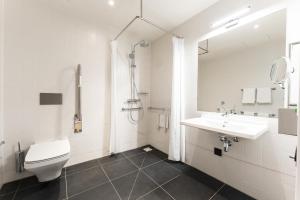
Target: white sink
{"type": "Point", "coordinates": [233, 125]}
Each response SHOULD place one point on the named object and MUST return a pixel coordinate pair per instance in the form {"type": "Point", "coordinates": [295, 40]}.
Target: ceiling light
{"type": "Point", "coordinates": [243, 21]}
{"type": "Point", "coordinates": [256, 26]}
{"type": "Point", "coordinates": [233, 17]}
{"type": "Point", "coordinates": [111, 2]}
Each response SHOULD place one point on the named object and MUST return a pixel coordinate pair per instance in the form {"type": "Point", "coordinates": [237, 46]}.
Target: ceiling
{"type": "Point", "coordinates": [165, 13]}
{"type": "Point", "coordinates": [271, 28]}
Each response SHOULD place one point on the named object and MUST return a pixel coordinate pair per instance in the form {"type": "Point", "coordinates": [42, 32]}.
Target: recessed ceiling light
{"type": "Point", "coordinates": [256, 26]}
{"type": "Point", "coordinates": [111, 2]}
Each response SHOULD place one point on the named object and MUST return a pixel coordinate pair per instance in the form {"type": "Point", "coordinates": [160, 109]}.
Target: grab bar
{"type": "Point", "coordinates": [131, 109]}
{"type": "Point", "coordinates": [158, 108]}
{"type": "Point", "coordinates": [78, 116]}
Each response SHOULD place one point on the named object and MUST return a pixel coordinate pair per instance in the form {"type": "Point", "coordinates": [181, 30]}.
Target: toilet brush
{"type": "Point", "coordinates": [20, 155]}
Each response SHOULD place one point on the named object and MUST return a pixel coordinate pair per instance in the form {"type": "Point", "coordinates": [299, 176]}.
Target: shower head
{"type": "Point", "coordinates": [142, 43]}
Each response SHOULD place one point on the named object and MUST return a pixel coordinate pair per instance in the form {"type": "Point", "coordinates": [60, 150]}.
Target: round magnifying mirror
{"type": "Point", "coordinates": [279, 70]}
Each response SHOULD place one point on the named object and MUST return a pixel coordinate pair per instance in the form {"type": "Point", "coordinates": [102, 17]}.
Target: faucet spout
{"type": "Point", "coordinates": [224, 114]}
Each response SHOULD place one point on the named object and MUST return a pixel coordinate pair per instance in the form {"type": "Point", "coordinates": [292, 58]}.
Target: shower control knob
{"type": "Point", "coordinates": [2, 142]}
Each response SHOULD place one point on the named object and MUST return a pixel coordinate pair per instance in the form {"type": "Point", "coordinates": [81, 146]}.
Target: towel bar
{"type": "Point", "coordinates": [271, 89]}
{"type": "Point", "coordinates": [131, 109]}
{"type": "Point", "coordinates": [159, 109]}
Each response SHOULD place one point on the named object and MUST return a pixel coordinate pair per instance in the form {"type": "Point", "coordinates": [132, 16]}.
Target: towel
{"type": "Point", "coordinates": [264, 95]}
{"type": "Point", "coordinates": [167, 121]}
{"type": "Point", "coordinates": [249, 95]}
{"type": "Point", "coordinates": [161, 121]}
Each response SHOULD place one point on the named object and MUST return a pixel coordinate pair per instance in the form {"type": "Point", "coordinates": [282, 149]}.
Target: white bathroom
{"type": "Point", "coordinates": [149, 99]}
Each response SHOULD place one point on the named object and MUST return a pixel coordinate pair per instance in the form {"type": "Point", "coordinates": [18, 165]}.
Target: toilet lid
{"type": "Point", "coordinates": [48, 150]}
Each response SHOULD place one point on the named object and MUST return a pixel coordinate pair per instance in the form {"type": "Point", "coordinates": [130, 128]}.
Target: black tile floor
{"type": "Point", "coordinates": [130, 175]}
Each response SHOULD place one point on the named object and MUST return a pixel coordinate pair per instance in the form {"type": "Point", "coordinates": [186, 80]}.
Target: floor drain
{"type": "Point", "coordinates": [147, 149]}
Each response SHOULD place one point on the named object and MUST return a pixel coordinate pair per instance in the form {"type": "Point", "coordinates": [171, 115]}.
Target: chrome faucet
{"type": "Point", "coordinates": [224, 111]}
{"type": "Point", "coordinates": [224, 114]}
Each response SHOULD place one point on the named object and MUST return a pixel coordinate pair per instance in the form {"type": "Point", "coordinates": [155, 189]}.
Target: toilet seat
{"type": "Point", "coordinates": [47, 152]}
{"type": "Point", "coordinates": [46, 160]}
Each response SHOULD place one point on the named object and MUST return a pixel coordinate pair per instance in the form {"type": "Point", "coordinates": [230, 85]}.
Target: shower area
{"type": "Point", "coordinates": [133, 119]}
{"type": "Point", "coordinates": [134, 104]}
{"type": "Point", "coordinates": [131, 69]}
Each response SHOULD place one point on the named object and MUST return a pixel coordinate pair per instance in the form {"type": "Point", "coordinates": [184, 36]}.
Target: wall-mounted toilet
{"type": "Point", "coordinates": [46, 160]}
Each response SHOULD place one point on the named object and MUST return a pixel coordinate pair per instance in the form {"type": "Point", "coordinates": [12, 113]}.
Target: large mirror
{"type": "Point", "coordinates": [235, 71]}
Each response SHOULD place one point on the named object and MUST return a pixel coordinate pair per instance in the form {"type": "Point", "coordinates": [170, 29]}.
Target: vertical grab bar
{"type": "Point", "coordinates": [78, 116]}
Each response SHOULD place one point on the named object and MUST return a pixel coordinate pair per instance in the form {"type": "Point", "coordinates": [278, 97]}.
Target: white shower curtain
{"type": "Point", "coordinates": [177, 137]}
{"type": "Point", "coordinates": [113, 120]}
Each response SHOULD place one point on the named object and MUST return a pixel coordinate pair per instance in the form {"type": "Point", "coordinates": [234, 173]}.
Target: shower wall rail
{"type": "Point", "coordinates": [162, 109]}
{"type": "Point", "coordinates": [131, 109]}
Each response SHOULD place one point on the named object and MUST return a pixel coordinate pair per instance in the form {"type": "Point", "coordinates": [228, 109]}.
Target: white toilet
{"type": "Point", "coordinates": [46, 160]}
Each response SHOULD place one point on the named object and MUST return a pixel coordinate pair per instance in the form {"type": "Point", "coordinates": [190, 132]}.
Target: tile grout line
{"type": "Point", "coordinates": [88, 189]}
{"type": "Point", "coordinates": [81, 170]}
{"type": "Point", "coordinates": [213, 196]}
{"type": "Point", "coordinates": [15, 194]}
{"type": "Point", "coordinates": [104, 164]}
{"type": "Point", "coordinates": [137, 176]}
{"type": "Point", "coordinates": [111, 182]}
{"type": "Point", "coordinates": [160, 186]}
{"type": "Point", "coordinates": [116, 178]}
{"type": "Point", "coordinates": [154, 163]}
{"type": "Point", "coordinates": [131, 161]}
{"type": "Point", "coordinates": [151, 179]}
{"type": "Point", "coordinates": [99, 163]}
{"type": "Point", "coordinates": [92, 187]}
{"type": "Point", "coordinates": [110, 162]}
{"type": "Point", "coordinates": [167, 181]}
{"type": "Point", "coordinates": [138, 154]}
{"type": "Point", "coordinates": [92, 167]}
{"type": "Point", "coordinates": [101, 184]}
{"type": "Point", "coordinates": [147, 193]}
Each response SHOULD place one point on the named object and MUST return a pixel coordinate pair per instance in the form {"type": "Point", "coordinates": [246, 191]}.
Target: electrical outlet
{"type": "Point", "coordinates": [218, 151]}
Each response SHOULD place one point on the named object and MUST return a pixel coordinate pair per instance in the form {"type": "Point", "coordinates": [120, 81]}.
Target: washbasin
{"type": "Point", "coordinates": [230, 125]}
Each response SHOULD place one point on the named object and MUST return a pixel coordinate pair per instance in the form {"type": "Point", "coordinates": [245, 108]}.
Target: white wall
{"type": "Point", "coordinates": [161, 90]}
{"type": "Point", "coordinates": [1, 87]}
{"type": "Point", "coordinates": [42, 48]}
{"type": "Point", "coordinates": [226, 75]}
{"type": "Point", "coordinates": [259, 168]}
